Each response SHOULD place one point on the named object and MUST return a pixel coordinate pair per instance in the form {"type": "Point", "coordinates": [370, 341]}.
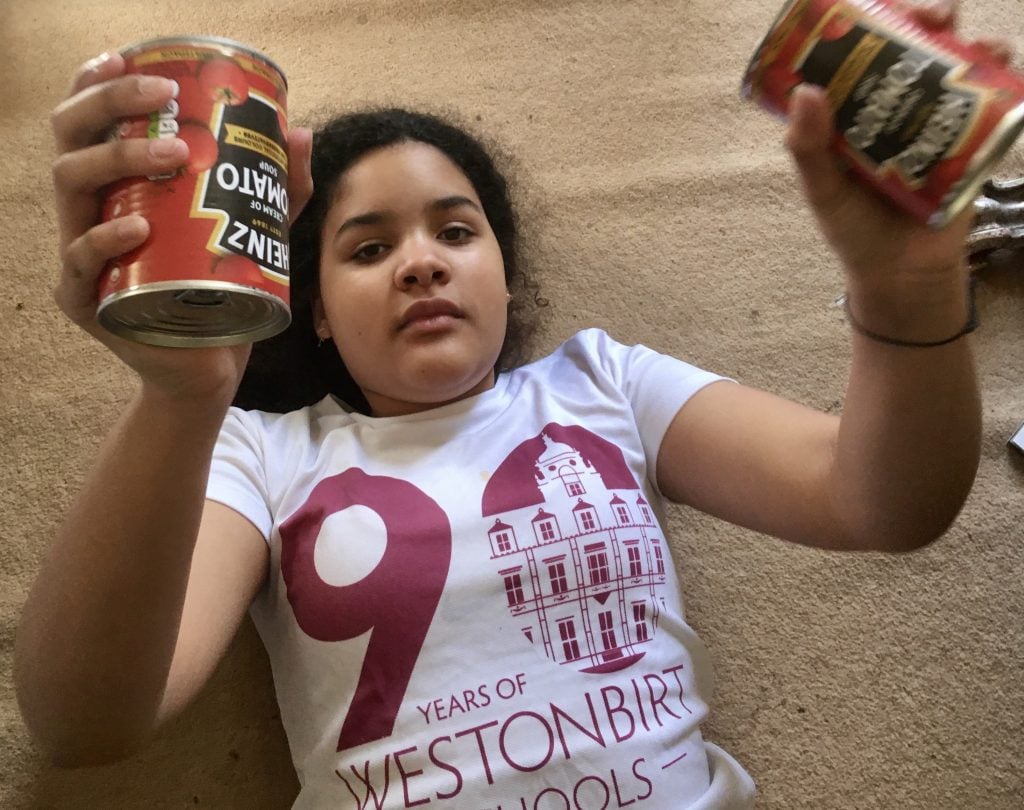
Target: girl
{"type": "Point", "coordinates": [458, 568]}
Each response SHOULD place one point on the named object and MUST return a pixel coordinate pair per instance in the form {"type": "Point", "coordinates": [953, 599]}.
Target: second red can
{"type": "Point", "coordinates": [920, 115]}
{"type": "Point", "coordinates": [214, 270]}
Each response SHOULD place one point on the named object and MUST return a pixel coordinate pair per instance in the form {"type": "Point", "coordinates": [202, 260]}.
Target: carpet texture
{"type": "Point", "coordinates": [660, 206]}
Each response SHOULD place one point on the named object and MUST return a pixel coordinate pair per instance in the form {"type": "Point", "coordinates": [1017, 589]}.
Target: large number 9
{"type": "Point", "coordinates": [395, 602]}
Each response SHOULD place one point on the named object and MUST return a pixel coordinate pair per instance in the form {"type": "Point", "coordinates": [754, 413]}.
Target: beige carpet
{"type": "Point", "coordinates": [663, 208]}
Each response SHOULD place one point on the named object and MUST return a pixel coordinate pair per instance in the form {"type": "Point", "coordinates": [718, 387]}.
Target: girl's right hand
{"type": "Point", "coordinates": [87, 161]}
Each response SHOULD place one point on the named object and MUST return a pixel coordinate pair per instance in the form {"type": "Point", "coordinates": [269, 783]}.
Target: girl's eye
{"type": "Point", "coordinates": [368, 253]}
{"type": "Point", "coordinates": [455, 233]}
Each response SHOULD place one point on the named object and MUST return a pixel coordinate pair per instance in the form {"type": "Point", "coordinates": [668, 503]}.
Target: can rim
{"type": "Point", "coordinates": [279, 315]}
{"type": "Point", "coordinates": [747, 85]}
{"type": "Point", "coordinates": [979, 167]}
{"type": "Point", "coordinates": [188, 39]}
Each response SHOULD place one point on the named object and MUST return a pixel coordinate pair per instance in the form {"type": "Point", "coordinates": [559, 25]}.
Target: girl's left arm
{"type": "Point", "coordinates": [889, 475]}
{"type": "Point", "coordinates": [895, 469]}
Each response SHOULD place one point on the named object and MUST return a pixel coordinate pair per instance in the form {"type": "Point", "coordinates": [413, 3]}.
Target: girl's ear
{"type": "Point", "coordinates": [320, 322]}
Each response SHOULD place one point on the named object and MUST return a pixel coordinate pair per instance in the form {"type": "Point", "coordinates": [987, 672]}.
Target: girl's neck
{"type": "Point", "coordinates": [384, 406]}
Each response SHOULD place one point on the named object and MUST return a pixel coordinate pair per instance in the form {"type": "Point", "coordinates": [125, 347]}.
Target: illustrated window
{"type": "Point", "coordinates": [514, 589]}
{"type": "Point", "coordinates": [597, 567]}
{"type": "Point", "coordinates": [659, 562]}
{"type": "Point", "coordinates": [640, 621]}
{"type": "Point", "coordinates": [567, 633]}
{"type": "Point", "coordinates": [633, 554]}
{"type": "Point", "coordinates": [559, 584]}
{"type": "Point", "coordinates": [607, 629]}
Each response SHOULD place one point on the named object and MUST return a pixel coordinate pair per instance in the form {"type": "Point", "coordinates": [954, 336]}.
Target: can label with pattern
{"type": "Point", "coordinates": [215, 268]}
{"type": "Point", "coordinates": [920, 115]}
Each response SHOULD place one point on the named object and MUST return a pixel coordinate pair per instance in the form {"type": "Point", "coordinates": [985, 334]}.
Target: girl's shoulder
{"type": "Point", "coordinates": [309, 421]}
{"type": "Point", "coordinates": [592, 345]}
{"type": "Point", "coordinates": [595, 352]}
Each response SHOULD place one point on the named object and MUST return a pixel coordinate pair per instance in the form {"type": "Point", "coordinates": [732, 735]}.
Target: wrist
{"type": "Point", "coordinates": [195, 407]}
{"type": "Point", "coordinates": [920, 311]}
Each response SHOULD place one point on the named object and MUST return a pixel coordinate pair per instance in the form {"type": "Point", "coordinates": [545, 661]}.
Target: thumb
{"type": "Point", "coordinates": [300, 181]}
{"type": "Point", "coordinates": [808, 140]}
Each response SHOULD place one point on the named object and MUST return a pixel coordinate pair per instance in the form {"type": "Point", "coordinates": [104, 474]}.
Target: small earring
{"type": "Point", "coordinates": [508, 297]}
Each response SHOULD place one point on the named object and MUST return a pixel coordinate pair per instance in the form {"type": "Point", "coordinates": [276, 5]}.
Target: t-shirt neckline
{"type": "Point", "coordinates": [485, 405]}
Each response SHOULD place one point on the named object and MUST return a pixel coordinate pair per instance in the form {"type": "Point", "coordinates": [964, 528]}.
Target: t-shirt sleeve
{"type": "Point", "coordinates": [656, 385]}
{"type": "Point", "coordinates": [237, 473]}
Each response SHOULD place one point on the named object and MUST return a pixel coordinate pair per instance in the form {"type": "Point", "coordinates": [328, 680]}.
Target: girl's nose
{"type": "Point", "coordinates": [422, 265]}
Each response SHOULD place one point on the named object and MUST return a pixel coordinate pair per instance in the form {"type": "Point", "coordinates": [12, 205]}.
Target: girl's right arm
{"type": "Point", "coordinates": [141, 593]}
{"type": "Point", "coordinates": [146, 582]}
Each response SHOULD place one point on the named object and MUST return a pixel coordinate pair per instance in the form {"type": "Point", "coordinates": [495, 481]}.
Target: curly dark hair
{"type": "Point", "coordinates": [292, 369]}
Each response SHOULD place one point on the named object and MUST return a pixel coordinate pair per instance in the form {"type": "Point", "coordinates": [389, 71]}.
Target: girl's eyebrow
{"type": "Point", "coordinates": [377, 217]}
{"type": "Point", "coordinates": [454, 201]}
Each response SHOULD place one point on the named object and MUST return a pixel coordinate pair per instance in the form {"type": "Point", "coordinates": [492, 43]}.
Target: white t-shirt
{"type": "Point", "coordinates": [474, 607]}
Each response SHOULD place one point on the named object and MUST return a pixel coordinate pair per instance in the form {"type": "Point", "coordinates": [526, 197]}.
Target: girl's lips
{"type": "Point", "coordinates": [434, 323]}
{"type": "Point", "coordinates": [430, 313]}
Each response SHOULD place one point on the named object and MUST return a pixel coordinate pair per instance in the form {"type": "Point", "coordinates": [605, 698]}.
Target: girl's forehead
{"type": "Point", "coordinates": [402, 170]}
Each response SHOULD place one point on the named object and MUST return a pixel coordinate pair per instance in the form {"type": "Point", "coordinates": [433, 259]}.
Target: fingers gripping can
{"type": "Point", "coordinates": [214, 269]}
{"type": "Point", "coordinates": [920, 115]}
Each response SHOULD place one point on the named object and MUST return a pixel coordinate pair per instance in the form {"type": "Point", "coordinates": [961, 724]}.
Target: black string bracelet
{"type": "Point", "coordinates": [970, 326]}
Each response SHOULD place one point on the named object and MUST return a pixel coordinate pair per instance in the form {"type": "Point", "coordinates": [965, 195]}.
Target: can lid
{"type": "Point", "coordinates": [962, 194]}
{"type": "Point", "coordinates": [186, 40]}
{"type": "Point", "coordinates": [193, 313]}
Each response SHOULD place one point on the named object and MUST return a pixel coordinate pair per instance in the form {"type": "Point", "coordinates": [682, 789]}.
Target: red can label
{"type": "Point", "coordinates": [215, 268]}
{"type": "Point", "coordinates": [920, 115]}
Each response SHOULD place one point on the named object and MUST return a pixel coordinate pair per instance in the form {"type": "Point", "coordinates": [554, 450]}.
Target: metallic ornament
{"type": "Point", "coordinates": [999, 220]}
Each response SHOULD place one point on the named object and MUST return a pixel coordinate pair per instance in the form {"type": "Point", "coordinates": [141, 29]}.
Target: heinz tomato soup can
{"type": "Point", "coordinates": [920, 115]}
{"type": "Point", "coordinates": [214, 270]}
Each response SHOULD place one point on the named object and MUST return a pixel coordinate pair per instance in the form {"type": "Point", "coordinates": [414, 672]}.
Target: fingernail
{"type": "Point", "coordinates": [156, 84]}
{"type": "Point", "coordinates": [167, 148]}
{"type": "Point", "coordinates": [96, 63]}
{"type": "Point", "coordinates": [131, 227]}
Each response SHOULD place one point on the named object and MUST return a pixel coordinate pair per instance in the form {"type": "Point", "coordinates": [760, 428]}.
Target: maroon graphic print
{"type": "Point", "coordinates": [578, 550]}
{"type": "Point", "coordinates": [516, 483]}
{"type": "Point", "coordinates": [395, 602]}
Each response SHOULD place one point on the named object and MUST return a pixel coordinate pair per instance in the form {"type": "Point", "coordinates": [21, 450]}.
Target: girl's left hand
{"type": "Point", "coordinates": [874, 240]}
{"type": "Point", "coordinates": [300, 182]}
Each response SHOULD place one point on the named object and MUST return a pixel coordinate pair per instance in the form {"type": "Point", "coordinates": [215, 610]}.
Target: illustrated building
{"type": "Point", "coordinates": [582, 569]}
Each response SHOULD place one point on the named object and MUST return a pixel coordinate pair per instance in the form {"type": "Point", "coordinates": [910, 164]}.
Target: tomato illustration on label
{"type": "Point", "coordinates": [202, 146]}
{"type": "Point", "coordinates": [224, 81]}
{"type": "Point", "coordinates": [193, 100]}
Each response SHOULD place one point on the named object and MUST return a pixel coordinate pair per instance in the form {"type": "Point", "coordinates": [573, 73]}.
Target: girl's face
{"type": "Point", "coordinates": [412, 282]}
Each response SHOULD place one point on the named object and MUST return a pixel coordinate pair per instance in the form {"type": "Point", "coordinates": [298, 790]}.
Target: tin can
{"type": "Point", "coordinates": [921, 115]}
{"type": "Point", "coordinates": [214, 270]}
